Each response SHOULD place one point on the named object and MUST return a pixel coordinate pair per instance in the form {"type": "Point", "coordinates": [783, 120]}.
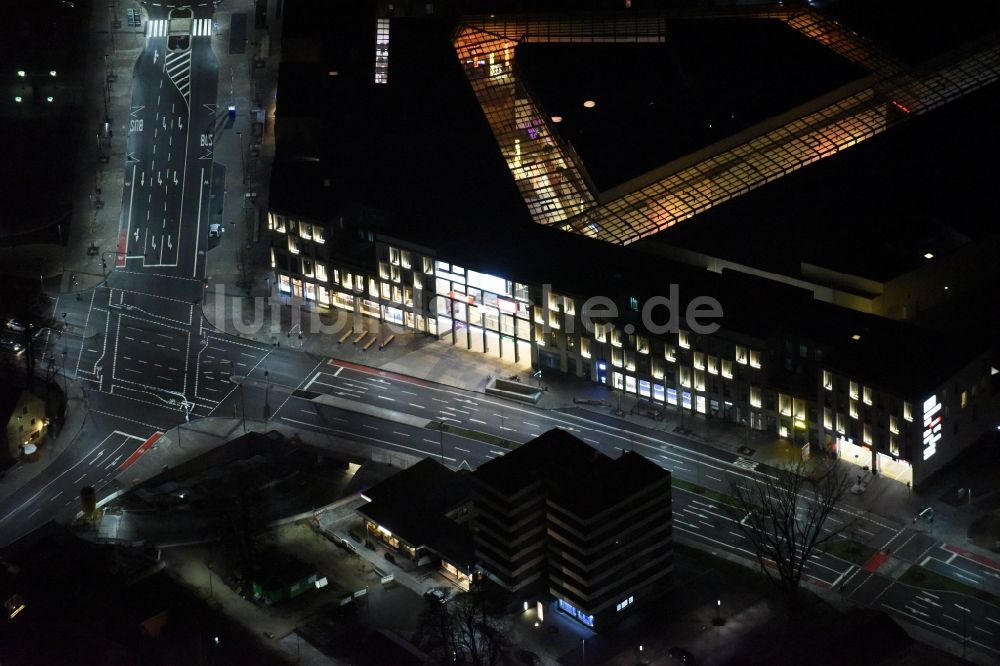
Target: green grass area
{"type": "Point", "coordinates": [721, 498]}
{"type": "Point", "coordinates": [918, 576]}
{"type": "Point", "coordinates": [847, 549]}
{"type": "Point", "coordinates": [473, 434]}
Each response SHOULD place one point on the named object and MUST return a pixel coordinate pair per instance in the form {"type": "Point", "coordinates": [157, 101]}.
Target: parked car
{"type": "Point", "coordinates": [435, 595]}
{"type": "Point", "coordinates": [15, 326]}
{"type": "Point", "coordinates": [216, 230]}
{"type": "Point", "coordinates": [680, 655]}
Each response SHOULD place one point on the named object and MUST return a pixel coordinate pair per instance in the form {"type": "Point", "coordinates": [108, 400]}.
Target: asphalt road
{"type": "Point", "coordinates": [147, 360]}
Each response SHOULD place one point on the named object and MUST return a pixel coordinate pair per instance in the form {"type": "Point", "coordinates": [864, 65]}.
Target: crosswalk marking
{"type": "Point", "coordinates": [744, 463]}
{"type": "Point", "coordinates": [157, 28]}
{"type": "Point", "coordinates": [201, 28]}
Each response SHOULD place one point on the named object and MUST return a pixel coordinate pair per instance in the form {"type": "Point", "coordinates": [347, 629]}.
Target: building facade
{"type": "Point", "coordinates": [556, 519]}
{"type": "Point", "coordinates": [758, 371]}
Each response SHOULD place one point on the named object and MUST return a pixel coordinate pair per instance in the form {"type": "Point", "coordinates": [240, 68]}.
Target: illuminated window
{"type": "Point", "coordinates": [305, 230]}
{"type": "Point", "coordinates": [828, 418]}
{"type": "Point", "coordinates": [272, 258]}
{"type": "Point", "coordinates": [418, 281]}
{"type": "Point", "coordinates": [866, 391]}
{"type": "Point", "coordinates": [685, 376]}
{"type": "Point", "coordinates": [293, 244]}
{"type": "Point", "coordinates": [642, 344]}
{"type": "Point", "coordinates": [280, 225]}
{"type": "Point", "coordinates": [310, 291]}
{"type": "Point", "coordinates": [854, 409]}
{"type": "Point", "coordinates": [741, 355]}
{"type": "Point", "coordinates": [348, 280]}
{"type": "Point", "coordinates": [321, 272]}
{"type": "Point", "coordinates": [684, 339]}
{"type": "Point", "coordinates": [372, 287]}
{"type": "Point", "coordinates": [394, 255]}
{"type": "Point", "coordinates": [617, 355]}
{"type": "Point", "coordinates": [828, 380]}
{"type": "Point", "coordinates": [671, 396]}
{"type": "Point", "coordinates": [629, 360]}
{"type": "Point", "coordinates": [893, 424]}
{"type": "Point", "coordinates": [841, 426]}
{"type": "Point", "coordinates": [318, 234]}
{"type": "Point", "coordinates": [867, 437]}
{"type": "Point", "coordinates": [383, 270]}
{"type": "Point", "coordinates": [754, 359]}
{"type": "Point", "coordinates": [782, 430]}
{"type": "Point", "coordinates": [382, 50]}
{"type": "Point", "coordinates": [727, 368]}
{"type": "Point", "coordinates": [699, 404]}
{"type": "Point", "coordinates": [755, 396]}
{"type": "Point", "coordinates": [585, 347]}
{"type": "Point", "coordinates": [713, 365]}
{"type": "Point", "coordinates": [699, 380]}
{"type": "Point", "coordinates": [618, 380]}
{"type": "Point", "coordinates": [698, 360]}
{"type": "Point", "coordinates": [894, 445]}
{"type": "Point", "coordinates": [616, 337]}
{"type": "Point", "coordinates": [428, 266]}
{"type": "Point", "coordinates": [965, 399]}
{"type": "Point", "coordinates": [633, 303]}
{"type": "Point", "coordinates": [601, 332]}
{"type": "Point", "coordinates": [784, 404]}
{"type": "Point", "coordinates": [907, 411]}
{"type": "Point", "coordinates": [394, 273]}
{"type": "Point", "coordinates": [307, 267]}
{"type": "Point", "coordinates": [657, 368]}
{"type": "Point", "coordinates": [854, 390]}
{"type": "Point", "coordinates": [404, 258]}
{"type": "Point", "coordinates": [670, 353]}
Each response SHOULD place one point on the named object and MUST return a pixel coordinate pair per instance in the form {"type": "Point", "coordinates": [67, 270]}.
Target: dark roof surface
{"type": "Point", "coordinates": [412, 504]}
{"type": "Point", "coordinates": [873, 210]}
{"type": "Point", "coordinates": [418, 145]}
{"type": "Point", "coordinates": [579, 477]}
{"type": "Point", "coordinates": [917, 31]}
{"type": "Point", "coordinates": [711, 79]}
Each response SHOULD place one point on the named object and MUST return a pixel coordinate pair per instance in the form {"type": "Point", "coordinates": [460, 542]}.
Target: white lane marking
{"type": "Point", "coordinates": [459, 448]}
{"type": "Point", "coordinates": [396, 432]}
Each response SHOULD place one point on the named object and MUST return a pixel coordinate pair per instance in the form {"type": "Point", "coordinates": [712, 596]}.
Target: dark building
{"type": "Point", "coordinates": [557, 518]}
{"type": "Point", "coordinates": [420, 513]}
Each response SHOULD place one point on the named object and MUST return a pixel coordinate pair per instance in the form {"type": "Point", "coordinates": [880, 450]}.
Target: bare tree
{"type": "Point", "coordinates": [468, 630]}
{"type": "Point", "coordinates": [783, 517]}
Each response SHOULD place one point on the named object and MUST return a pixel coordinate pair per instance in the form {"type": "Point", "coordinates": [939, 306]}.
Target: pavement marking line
{"type": "Point", "coordinates": [989, 619]}
{"type": "Point", "coordinates": [924, 562]}
{"type": "Point", "coordinates": [139, 451]}
{"type": "Point", "coordinates": [339, 370]}
{"type": "Point", "coordinates": [63, 473]}
{"type": "Point", "coordinates": [407, 392]}
{"type": "Point", "coordinates": [396, 432]}
{"type": "Point", "coordinates": [459, 448]}
{"type": "Point", "coordinates": [374, 439]}
{"type": "Point", "coordinates": [370, 427]}
{"type": "Point", "coordinates": [82, 476]}
{"type": "Point", "coordinates": [477, 421]}
{"type": "Point", "coordinates": [385, 397]}
{"type": "Point", "coordinates": [413, 404]}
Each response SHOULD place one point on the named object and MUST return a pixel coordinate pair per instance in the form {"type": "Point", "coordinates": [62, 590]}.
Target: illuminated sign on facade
{"type": "Point", "coordinates": [932, 426]}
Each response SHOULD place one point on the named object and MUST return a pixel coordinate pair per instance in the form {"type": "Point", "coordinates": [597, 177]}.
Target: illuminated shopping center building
{"type": "Point", "coordinates": [431, 243]}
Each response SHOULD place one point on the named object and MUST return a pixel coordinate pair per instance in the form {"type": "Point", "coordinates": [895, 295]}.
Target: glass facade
{"type": "Point", "coordinates": [552, 181]}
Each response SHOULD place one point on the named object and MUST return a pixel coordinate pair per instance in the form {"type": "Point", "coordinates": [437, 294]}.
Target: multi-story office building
{"type": "Point", "coordinates": [457, 260]}
{"type": "Point", "coordinates": [557, 519]}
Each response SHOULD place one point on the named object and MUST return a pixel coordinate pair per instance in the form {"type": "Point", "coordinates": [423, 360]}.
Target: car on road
{"type": "Point", "coordinates": [216, 230]}
{"type": "Point", "coordinates": [15, 326]}
{"type": "Point", "coordinates": [680, 655]}
{"type": "Point", "coordinates": [10, 346]}
{"type": "Point", "coordinates": [435, 595]}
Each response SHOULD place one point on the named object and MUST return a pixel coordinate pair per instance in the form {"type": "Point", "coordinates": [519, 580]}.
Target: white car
{"type": "Point", "coordinates": [216, 230]}
{"type": "Point", "coordinates": [15, 326]}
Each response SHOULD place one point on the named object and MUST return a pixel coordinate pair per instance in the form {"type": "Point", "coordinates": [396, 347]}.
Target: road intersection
{"type": "Point", "coordinates": [148, 360]}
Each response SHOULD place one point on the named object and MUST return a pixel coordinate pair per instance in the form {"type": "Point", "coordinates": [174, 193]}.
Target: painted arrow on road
{"type": "Point", "coordinates": [169, 244]}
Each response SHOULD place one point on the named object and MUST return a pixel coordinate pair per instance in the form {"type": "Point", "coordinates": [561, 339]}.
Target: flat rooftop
{"type": "Point", "coordinates": [917, 31]}
{"type": "Point", "coordinates": [418, 145]}
{"type": "Point", "coordinates": [711, 79]}
{"type": "Point", "coordinates": [872, 211]}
